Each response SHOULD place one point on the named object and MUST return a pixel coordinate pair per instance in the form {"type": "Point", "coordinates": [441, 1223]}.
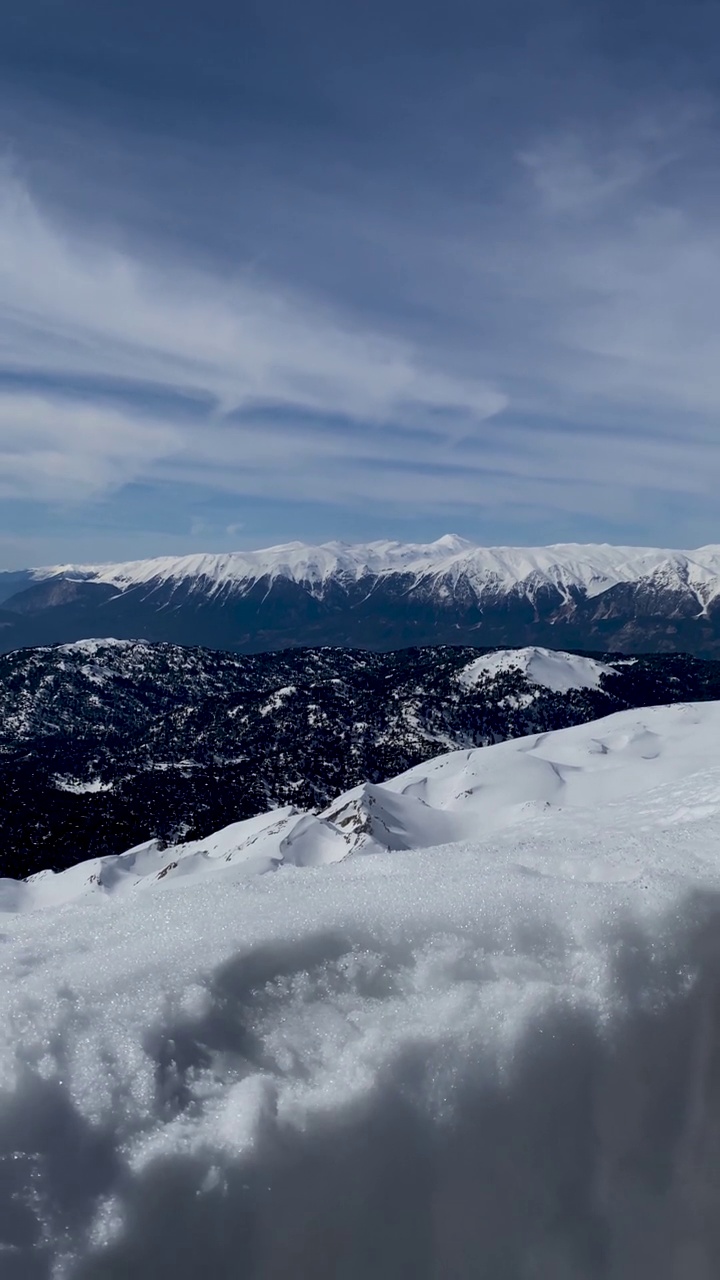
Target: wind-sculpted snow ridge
{"type": "Point", "coordinates": [455, 797]}
{"type": "Point", "coordinates": [492, 1057]}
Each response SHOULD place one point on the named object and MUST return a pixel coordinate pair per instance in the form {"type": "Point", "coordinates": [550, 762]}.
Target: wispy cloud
{"type": "Point", "coordinates": [85, 308]}
{"type": "Point", "coordinates": [630, 295]}
{"type": "Point", "coordinates": [54, 449]}
{"type": "Point", "coordinates": [588, 172]}
{"type": "Point", "coordinates": [552, 353]}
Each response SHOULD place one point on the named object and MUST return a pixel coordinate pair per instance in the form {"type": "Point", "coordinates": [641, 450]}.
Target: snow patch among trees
{"type": "Point", "coordinates": [550, 668]}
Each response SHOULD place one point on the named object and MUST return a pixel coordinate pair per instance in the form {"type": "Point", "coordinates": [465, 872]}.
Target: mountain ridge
{"type": "Point", "coordinates": [381, 595]}
{"type": "Point", "coordinates": [592, 566]}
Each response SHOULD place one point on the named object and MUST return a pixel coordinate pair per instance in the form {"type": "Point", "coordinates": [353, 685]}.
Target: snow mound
{"type": "Point", "coordinates": [549, 668]}
{"type": "Point", "coordinates": [464, 795]}
{"type": "Point", "coordinates": [495, 1055]}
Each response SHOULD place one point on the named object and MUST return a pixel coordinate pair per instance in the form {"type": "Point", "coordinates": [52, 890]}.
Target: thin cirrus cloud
{"type": "Point", "coordinates": [614, 321]}
{"type": "Point", "coordinates": [620, 268]}
{"type": "Point", "coordinates": [396, 314]}
{"type": "Point", "coordinates": [54, 449]}
{"type": "Point", "coordinates": [87, 311]}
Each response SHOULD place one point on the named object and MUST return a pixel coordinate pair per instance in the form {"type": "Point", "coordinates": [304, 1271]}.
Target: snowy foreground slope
{"type": "Point", "coordinates": [106, 744]}
{"type": "Point", "coordinates": [493, 1056]}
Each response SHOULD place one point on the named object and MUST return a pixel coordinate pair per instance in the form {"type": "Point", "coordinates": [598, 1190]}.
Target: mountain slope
{"type": "Point", "coordinates": [496, 1056]}
{"type": "Point", "coordinates": [518, 785]}
{"type": "Point", "coordinates": [380, 596]}
{"type": "Point", "coordinates": [107, 744]}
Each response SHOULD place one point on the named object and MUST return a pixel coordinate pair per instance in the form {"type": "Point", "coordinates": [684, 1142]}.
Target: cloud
{"type": "Point", "coordinates": [571, 474]}
{"type": "Point", "coordinates": [552, 355]}
{"type": "Point", "coordinates": [606, 281]}
{"type": "Point", "coordinates": [631, 326]}
{"type": "Point", "coordinates": [647, 314]}
{"type": "Point", "coordinates": [58, 450]}
{"type": "Point", "coordinates": [570, 181]}
{"type": "Point", "coordinates": [586, 174]}
{"type": "Point", "coordinates": [89, 309]}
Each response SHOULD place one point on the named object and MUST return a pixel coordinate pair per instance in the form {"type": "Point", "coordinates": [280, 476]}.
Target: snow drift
{"type": "Point", "coordinates": [492, 1057]}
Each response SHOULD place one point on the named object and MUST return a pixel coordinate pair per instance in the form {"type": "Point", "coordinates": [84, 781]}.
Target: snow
{"type": "Point", "coordinates": [82, 788]}
{"type": "Point", "coordinates": [550, 668]}
{"type": "Point", "coordinates": [453, 798]}
{"type": "Point", "coordinates": [491, 1052]}
{"type": "Point", "coordinates": [93, 647]}
{"type": "Point", "coordinates": [591, 569]}
{"type": "Point", "coordinates": [276, 699]}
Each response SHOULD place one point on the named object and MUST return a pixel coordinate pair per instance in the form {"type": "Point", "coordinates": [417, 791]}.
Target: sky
{"type": "Point", "coordinates": [274, 270]}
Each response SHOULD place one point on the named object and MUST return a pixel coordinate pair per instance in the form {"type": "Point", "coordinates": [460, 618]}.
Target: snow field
{"type": "Point", "coordinates": [494, 1056]}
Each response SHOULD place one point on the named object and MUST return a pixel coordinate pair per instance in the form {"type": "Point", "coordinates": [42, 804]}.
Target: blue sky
{"type": "Point", "coordinates": [280, 270]}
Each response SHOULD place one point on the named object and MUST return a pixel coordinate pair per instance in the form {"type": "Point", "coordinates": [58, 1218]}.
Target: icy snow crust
{"type": "Point", "coordinates": [568, 566]}
{"type": "Point", "coordinates": [494, 1056]}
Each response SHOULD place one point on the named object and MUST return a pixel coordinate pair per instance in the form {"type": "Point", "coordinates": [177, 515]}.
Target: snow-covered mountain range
{"type": "Point", "coordinates": [592, 568]}
{"type": "Point", "coordinates": [380, 595]}
{"type": "Point", "coordinates": [462, 1023]}
{"type": "Point", "coordinates": [104, 744]}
